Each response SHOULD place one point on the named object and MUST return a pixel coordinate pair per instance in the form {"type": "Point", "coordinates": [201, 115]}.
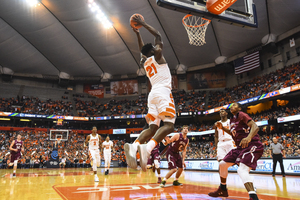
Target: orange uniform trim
{"type": "Point", "coordinates": [137, 141]}
{"type": "Point", "coordinates": [171, 110]}
{"type": "Point", "coordinates": [167, 114]}
{"type": "Point", "coordinates": [150, 117]}
{"type": "Point", "coordinates": [172, 105]}
{"type": "Point", "coordinates": [154, 141]}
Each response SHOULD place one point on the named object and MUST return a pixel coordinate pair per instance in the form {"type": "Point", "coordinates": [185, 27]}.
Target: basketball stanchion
{"type": "Point", "coordinates": [196, 28]}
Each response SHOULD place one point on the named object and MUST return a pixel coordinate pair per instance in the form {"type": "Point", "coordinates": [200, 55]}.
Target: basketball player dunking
{"type": "Point", "coordinates": [160, 100]}
{"type": "Point", "coordinates": [94, 153]}
{"type": "Point", "coordinates": [249, 149]}
{"type": "Point", "coordinates": [16, 147]}
{"type": "Point", "coordinates": [107, 145]}
{"type": "Point", "coordinates": [223, 140]}
{"type": "Point", "coordinates": [178, 143]}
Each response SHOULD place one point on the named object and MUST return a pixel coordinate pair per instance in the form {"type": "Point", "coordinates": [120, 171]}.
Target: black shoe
{"type": "Point", "coordinates": [176, 183]}
{"type": "Point", "coordinates": [105, 172]}
{"type": "Point", "coordinates": [283, 175]}
{"type": "Point", "coordinates": [162, 184]}
{"type": "Point", "coordinates": [273, 175]}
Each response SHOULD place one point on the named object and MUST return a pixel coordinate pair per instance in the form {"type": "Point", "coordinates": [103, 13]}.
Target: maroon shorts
{"type": "Point", "coordinates": [15, 156]}
{"type": "Point", "coordinates": [247, 156]}
{"type": "Point", "coordinates": [153, 156]}
{"type": "Point", "coordinates": [174, 160]}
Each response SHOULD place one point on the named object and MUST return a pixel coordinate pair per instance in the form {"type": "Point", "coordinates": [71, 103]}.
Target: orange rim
{"type": "Point", "coordinates": [188, 15]}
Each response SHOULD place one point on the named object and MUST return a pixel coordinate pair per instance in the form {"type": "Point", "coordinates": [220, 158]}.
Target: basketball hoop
{"type": "Point", "coordinates": [195, 28]}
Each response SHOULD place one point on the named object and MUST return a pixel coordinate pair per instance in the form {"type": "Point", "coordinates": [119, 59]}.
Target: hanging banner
{"type": "Point", "coordinates": [94, 90]}
{"type": "Point", "coordinates": [206, 80]}
{"type": "Point", "coordinates": [124, 87]}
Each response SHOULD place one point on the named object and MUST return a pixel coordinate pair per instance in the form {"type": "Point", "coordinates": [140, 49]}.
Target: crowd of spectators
{"type": "Point", "coordinates": [33, 105]}
{"type": "Point", "coordinates": [112, 107]}
{"type": "Point", "coordinates": [185, 101]}
{"type": "Point", "coordinates": [281, 78]}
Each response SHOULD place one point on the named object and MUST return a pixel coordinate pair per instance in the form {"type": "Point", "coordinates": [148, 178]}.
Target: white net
{"type": "Point", "coordinates": [196, 28]}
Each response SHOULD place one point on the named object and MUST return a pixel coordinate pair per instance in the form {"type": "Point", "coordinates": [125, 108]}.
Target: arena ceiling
{"type": "Point", "coordinates": [65, 36]}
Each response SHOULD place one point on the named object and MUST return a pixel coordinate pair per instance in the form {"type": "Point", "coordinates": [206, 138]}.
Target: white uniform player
{"type": "Point", "coordinates": [225, 141]}
{"type": "Point", "coordinates": [94, 153]}
{"type": "Point", "coordinates": [107, 145]}
{"type": "Point", "coordinates": [160, 100]}
{"type": "Point", "coordinates": [161, 106]}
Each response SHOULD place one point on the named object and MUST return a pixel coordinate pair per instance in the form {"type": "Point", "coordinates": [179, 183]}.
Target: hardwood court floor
{"type": "Point", "coordinates": [122, 183]}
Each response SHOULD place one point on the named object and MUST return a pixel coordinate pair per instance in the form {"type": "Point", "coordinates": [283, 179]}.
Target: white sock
{"type": "Point", "coordinates": [164, 179]}
{"type": "Point", "coordinates": [176, 179]}
{"type": "Point", "coordinates": [158, 175]}
{"type": "Point", "coordinates": [150, 145]}
{"type": "Point", "coordinates": [14, 171]}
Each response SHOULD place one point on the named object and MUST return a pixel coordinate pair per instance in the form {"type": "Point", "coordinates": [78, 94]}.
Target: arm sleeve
{"type": "Point", "coordinates": [245, 117]}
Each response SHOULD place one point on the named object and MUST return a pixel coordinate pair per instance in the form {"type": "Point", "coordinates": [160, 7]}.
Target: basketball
{"type": "Point", "coordinates": [133, 24]}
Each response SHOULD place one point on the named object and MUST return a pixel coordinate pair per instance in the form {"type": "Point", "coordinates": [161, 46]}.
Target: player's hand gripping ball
{"type": "Point", "coordinates": [135, 21]}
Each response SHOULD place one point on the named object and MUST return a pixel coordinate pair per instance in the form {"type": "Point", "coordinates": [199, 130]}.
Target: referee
{"type": "Point", "coordinates": [277, 156]}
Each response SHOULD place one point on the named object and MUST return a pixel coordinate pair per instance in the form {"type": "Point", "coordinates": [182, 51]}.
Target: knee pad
{"type": "Point", "coordinates": [243, 172]}
{"type": "Point", "coordinates": [156, 163]}
{"type": "Point", "coordinates": [15, 162]}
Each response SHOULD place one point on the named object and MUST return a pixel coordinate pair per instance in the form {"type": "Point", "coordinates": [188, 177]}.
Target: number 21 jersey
{"type": "Point", "coordinates": [159, 75]}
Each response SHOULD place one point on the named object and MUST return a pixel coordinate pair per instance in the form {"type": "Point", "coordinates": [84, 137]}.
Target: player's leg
{"type": "Point", "coordinates": [171, 165]}
{"type": "Point", "coordinates": [244, 173]}
{"type": "Point", "coordinates": [15, 167]}
{"type": "Point", "coordinates": [131, 149]}
{"type": "Point", "coordinates": [92, 153]}
{"type": "Point", "coordinates": [108, 162]}
{"type": "Point", "coordinates": [164, 104]}
{"type": "Point", "coordinates": [248, 160]}
{"type": "Point", "coordinates": [222, 190]}
{"type": "Point", "coordinates": [105, 162]}
{"type": "Point", "coordinates": [157, 167]}
{"type": "Point", "coordinates": [227, 161]}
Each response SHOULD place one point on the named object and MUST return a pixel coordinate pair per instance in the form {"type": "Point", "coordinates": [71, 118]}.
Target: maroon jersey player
{"type": "Point", "coordinates": [249, 149]}
{"type": "Point", "coordinates": [154, 161]}
{"type": "Point", "coordinates": [16, 147]}
{"type": "Point", "coordinates": [178, 143]}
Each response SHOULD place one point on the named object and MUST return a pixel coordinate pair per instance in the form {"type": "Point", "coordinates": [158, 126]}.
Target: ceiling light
{"type": "Point", "coordinates": [33, 3]}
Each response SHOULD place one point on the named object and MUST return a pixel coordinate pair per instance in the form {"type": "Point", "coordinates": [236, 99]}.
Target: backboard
{"type": "Point", "coordinates": [241, 13]}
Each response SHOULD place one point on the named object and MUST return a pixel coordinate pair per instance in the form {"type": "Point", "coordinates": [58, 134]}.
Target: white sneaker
{"type": "Point", "coordinates": [130, 153]}
{"type": "Point", "coordinates": [144, 156]}
{"type": "Point", "coordinates": [96, 178]}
